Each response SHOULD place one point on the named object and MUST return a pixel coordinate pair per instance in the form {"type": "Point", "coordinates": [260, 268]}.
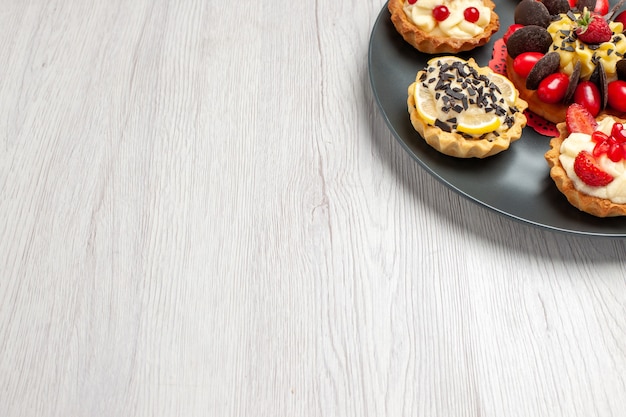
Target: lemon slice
{"type": "Point", "coordinates": [425, 105]}
{"type": "Point", "coordinates": [478, 123]}
{"type": "Point", "coordinates": [505, 86]}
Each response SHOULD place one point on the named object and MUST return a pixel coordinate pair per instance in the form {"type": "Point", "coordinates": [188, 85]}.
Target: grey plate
{"type": "Point", "coordinates": [515, 183]}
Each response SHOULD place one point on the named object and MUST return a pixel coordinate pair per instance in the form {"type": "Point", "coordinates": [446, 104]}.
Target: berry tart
{"type": "Point", "coordinates": [558, 54]}
{"type": "Point", "coordinates": [588, 162]}
{"type": "Point", "coordinates": [464, 110]}
{"type": "Point", "coordinates": [444, 26]}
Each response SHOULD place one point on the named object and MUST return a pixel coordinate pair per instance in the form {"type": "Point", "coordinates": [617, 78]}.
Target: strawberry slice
{"type": "Point", "coordinates": [579, 120]}
{"type": "Point", "coordinates": [602, 7]}
{"type": "Point", "coordinates": [587, 169]}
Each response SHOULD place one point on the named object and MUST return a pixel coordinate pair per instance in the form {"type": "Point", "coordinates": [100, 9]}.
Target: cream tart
{"type": "Point", "coordinates": [444, 26]}
{"type": "Point", "coordinates": [464, 110]}
{"type": "Point", "coordinates": [586, 169]}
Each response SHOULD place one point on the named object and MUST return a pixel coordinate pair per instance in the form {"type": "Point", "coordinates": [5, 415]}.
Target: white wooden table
{"type": "Point", "coordinates": [203, 213]}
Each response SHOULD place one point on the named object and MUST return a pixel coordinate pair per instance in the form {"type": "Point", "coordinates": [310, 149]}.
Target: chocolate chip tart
{"type": "Point", "coordinates": [442, 133]}
{"type": "Point", "coordinates": [427, 42]}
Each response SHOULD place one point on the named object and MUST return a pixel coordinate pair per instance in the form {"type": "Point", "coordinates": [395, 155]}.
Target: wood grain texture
{"type": "Point", "coordinates": [202, 213]}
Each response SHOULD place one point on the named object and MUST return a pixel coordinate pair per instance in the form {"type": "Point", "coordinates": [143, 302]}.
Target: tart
{"type": "Point", "coordinates": [592, 179]}
{"type": "Point", "coordinates": [444, 26]}
{"type": "Point", "coordinates": [464, 110]}
{"type": "Point", "coordinates": [590, 51]}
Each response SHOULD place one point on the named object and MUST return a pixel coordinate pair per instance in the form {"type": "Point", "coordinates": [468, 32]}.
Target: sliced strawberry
{"type": "Point", "coordinates": [602, 7]}
{"type": "Point", "coordinates": [587, 169]}
{"type": "Point", "coordinates": [579, 120]}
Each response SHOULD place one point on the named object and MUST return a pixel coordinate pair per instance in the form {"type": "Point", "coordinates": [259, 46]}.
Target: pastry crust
{"type": "Point", "coordinates": [599, 207]}
{"type": "Point", "coordinates": [427, 43]}
{"type": "Point", "coordinates": [455, 144]}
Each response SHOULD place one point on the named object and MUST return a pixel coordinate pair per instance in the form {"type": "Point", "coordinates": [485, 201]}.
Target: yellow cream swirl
{"type": "Point", "coordinates": [572, 50]}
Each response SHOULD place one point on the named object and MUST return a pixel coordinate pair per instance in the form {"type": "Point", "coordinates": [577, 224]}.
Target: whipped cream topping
{"type": "Point", "coordinates": [455, 25]}
{"type": "Point", "coordinates": [577, 142]}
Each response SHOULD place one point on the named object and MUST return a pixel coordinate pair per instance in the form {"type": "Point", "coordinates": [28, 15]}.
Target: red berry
{"type": "Point", "coordinates": [618, 132]}
{"type": "Point", "coordinates": [613, 146]}
{"type": "Point", "coordinates": [553, 88]}
{"type": "Point", "coordinates": [471, 14]}
{"type": "Point", "coordinates": [412, 1]}
{"type": "Point", "coordinates": [601, 148]}
{"type": "Point", "coordinates": [616, 128]}
{"type": "Point", "coordinates": [524, 62]}
{"type": "Point", "coordinates": [441, 13]}
{"type": "Point", "coordinates": [587, 169]}
{"type": "Point", "coordinates": [617, 95]}
{"type": "Point", "coordinates": [602, 7]}
{"type": "Point", "coordinates": [579, 120]}
{"type": "Point", "coordinates": [510, 31]}
{"type": "Point", "coordinates": [621, 18]}
{"type": "Point", "coordinates": [599, 136]}
{"type": "Point", "coordinates": [587, 93]}
{"type": "Point", "coordinates": [615, 152]}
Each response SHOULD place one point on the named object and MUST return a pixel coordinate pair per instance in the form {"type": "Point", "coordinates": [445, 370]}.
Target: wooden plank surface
{"type": "Point", "coordinates": [202, 213]}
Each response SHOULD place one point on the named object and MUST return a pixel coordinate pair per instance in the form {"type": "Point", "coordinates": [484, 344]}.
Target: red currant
{"type": "Point", "coordinates": [471, 14]}
{"type": "Point", "coordinates": [412, 1]}
{"type": "Point", "coordinates": [441, 13]}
